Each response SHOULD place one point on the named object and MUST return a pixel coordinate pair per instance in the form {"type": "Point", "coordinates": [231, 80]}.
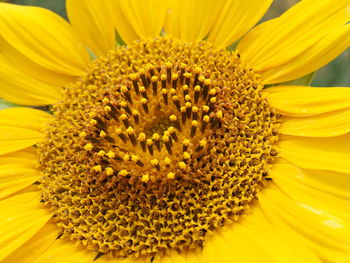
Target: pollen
{"type": "Point", "coordinates": [158, 146]}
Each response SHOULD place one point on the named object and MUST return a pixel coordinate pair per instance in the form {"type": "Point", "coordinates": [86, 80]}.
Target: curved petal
{"type": "Point", "coordinates": [290, 179]}
{"type": "Point", "coordinates": [20, 88]}
{"type": "Point", "coordinates": [322, 52]}
{"type": "Point", "coordinates": [93, 22]}
{"type": "Point", "coordinates": [254, 239]}
{"type": "Point", "coordinates": [22, 216]}
{"type": "Point", "coordinates": [326, 234]}
{"type": "Point", "coordinates": [251, 239]}
{"type": "Point", "coordinates": [334, 183]}
{"type": "Point", "coordinates": [17, 171]}
{"type": "Point", "coordinates": [21, 128]}
{"type": "Point", "coordinates": [43, 37]}
{"type": "Point", "coordinates": [35, 246]}
{"type": "Point", "coordinates": [302, 101]}
{"type": "Point", "coordinates": [324, 125]}
{"type": "Point", "coordinates": [139, 19]}
{"type": "Point", "coordinates": [192, 20]}
{"type": "Point", "coordinates": [15, 61]}
{"type": "Point", "coordinates": [65, 251]}
{"type": "Point", "coordinates": [331, 154]}
{"type": "Point", "coordinates": [27, 157]}
{"type": "Point", "coordinates": [235, 19]}
{"type": "Point", "coordinates": [298, 37]}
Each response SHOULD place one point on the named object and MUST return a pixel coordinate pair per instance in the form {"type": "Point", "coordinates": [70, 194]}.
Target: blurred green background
{"type": "Point", "coordinates": [337, 73]}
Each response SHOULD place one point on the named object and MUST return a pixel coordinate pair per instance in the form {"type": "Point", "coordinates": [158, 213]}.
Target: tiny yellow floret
{"type": "Point", "coordinates": [170, 175]}
{"type": "Point", "coordinates": [123, 173]}
{"type": "Point", "coordinates": [109, 171]}
{"type": "Point", "coordinates": [182, 165]}
{"type": "Point", "coordinates": [97, 168]}
{"type": "Point", "coordinates": [88, 147]}
{"type": "Point", "coordinates": [145, 178]}
{"type": "Point", "coordinates": [111, 154]}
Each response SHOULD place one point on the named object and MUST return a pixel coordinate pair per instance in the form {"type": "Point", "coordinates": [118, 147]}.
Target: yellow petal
{"type": "Point", "coordinates": [235, 19]}
{"type": "Point", "coordinates": [139, 19]}
{"type": "Point", "coordinates": [23, 117]}
{"type": "Point", "coordinates": [307, 101]}
{"type": "Point", "coordinates": [337, 184]}
{"type": "Point", "coordinates": [331, 154]}
{"type": "Point", "coordinates": [324, 125]}
{"type": "Point", "coordinates": [192, 20]}
{"type": "Point", "coordinates": [20, 88]}
{"type": "Point", "coordinates": [35, 246]}
{"type": "Point", "coordinates": [66, 251]}
{"type": "Point", "coordinates": [26, 157]}
{"type": "Point", "coordinates": [307, 27]}
{"type": "Point", "coordinates": [290, 179]}
{"type": "Point", "coordinates": [17, 171]}
{"type": "Point", "coordinates": [93, 22]}
{"type": "Point", "coordinates": [233, 243]}
{"type": "Point", "coordinates": [14, 60]}
{"type": "Point", "coordinates": [326, 234]}
{"type": "Point", "coordinates": [21, 128]}
{"type": "Point", "coordinates": [254, 239]}
{"type": "Point", "coordinates": [279, 245]}
{"type": "Point", "coordinates": [44, 37]}
{"type": "Point", "coordinates": [22, 216]}
{"type": "Point", "coordinates": [318, 55]}
{"type": "Point", "coordinates": [13, 179]}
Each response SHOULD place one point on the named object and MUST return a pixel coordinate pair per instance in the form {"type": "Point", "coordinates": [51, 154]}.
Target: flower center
{"type": "Point", "coordinates": [157, 146]}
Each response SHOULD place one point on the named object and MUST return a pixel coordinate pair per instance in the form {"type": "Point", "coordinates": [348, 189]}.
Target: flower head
{"type": "Point", "coordinates": [171, 147]}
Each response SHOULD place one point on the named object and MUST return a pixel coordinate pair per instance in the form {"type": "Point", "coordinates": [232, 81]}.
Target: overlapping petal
{"type": "Point", "coordinates": [235, 19]}
{"type": "Point", "coordinates": [21, 128]}
{"type": "Point", "coordinates": [22, 216]}
{"type": "Point", "coordinates": [65, 251]}
{"type": "Point", "coordinates": [20, 88]}
{"type": "Point", "coordinates": [254, 239]}
{"type": "Point", "coordinates": [17, 171]}
{"type": "Point", "coordinates": [303, 101]}
{"type": "Point", "coordinates": [313, 58]}
{"type": "Point", "coordinates": [14, 61]}
{"type": "Point", "coordinates": [43, 37]}
{"type": "Point", "coordinates": [139, 19]}
{"type": "Point", "coordinates": [93, 22]}
{"type": "Point", "coordinates": [304, 38]}
{"type": "Point", "coordinates": [317, 153]}
{"type": "Point", "coordinates": [192, 20]}
{"type": "Point", "coordinates": [323, 125]}
{"type": "Point", "coordinates": [35, 246]}
{"type": "Point", "coordinates": [319, 225]}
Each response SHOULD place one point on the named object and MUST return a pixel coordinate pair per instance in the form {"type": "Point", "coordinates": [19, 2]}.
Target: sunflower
{"type": "Point", "coordinates": [147, 139]}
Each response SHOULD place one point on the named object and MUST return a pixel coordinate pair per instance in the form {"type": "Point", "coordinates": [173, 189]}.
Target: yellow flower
{"type": "Point", "coordinates": [172, 148]}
